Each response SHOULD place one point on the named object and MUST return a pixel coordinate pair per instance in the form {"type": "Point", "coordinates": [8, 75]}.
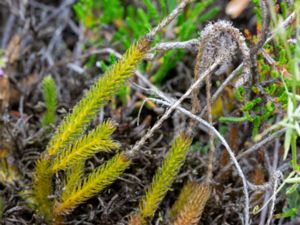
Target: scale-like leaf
{"type": "Point", "coordinates": [96, 141]}
{"type": "Point", "coordinates": [164, 177]}
{"type": "Point", "coordinates": [95, 182]}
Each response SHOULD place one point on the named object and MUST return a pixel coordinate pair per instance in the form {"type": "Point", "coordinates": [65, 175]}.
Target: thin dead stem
{"type": "Point", "coordinates": [188, 45]}
{"type": "Point", "coordinates": [283, 25]}
{"type": "Point", "coordinates": [222, 87]}
{"type": "Point", "coordinates": [265, 27]}
{"type": "Point", "coordinates": [273, 201]}
{"type": "Point", "coordinates": [169, 18]}
{"type": "Point", "coordinates": [166, 115]}
{"type": "Point", "coordinates": [253, 148]}
{"type": "Point", "coordinates": [210, 133]}
{"type": "Point", "coordinates": [261, 40]}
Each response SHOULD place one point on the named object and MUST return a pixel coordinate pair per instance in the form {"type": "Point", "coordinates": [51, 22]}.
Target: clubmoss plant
{"type": "Point", "coordinates": [163, 179]}
{"type": "Point", "coordinates": [68, 148]}
{"type": "Point", "coordinates": [50, 96]}
{"type": "Point", "coordinates": [188, 208]}
{"type": "Point", "coordinates": [107, 86]}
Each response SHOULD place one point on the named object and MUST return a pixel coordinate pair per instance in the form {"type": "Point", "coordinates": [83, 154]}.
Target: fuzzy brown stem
{"type": "Point", "coordinates": [196, 105]}
{"type": "Point", "coordinates": [210, 133]}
